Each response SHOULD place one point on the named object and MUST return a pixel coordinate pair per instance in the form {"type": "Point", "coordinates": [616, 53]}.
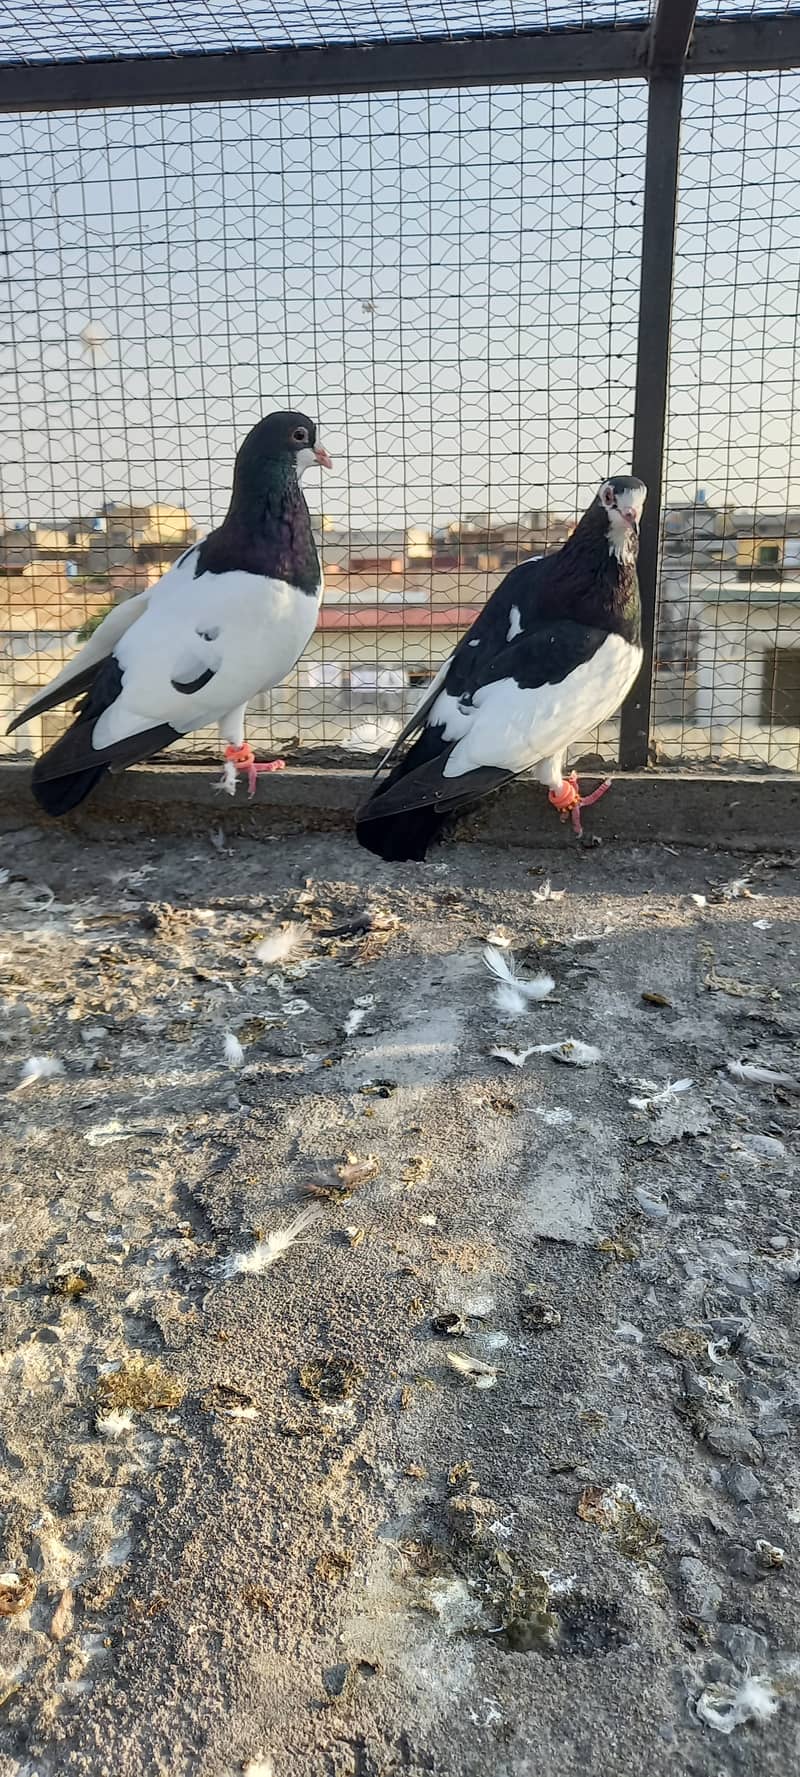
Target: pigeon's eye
{"type": "Point", "coordinates": [300, 435]}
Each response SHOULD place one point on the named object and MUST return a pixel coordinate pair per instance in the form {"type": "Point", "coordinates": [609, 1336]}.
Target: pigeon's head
{"type": "Point", "coordinates": [281, 438]}
{"type": "Point", "coordinates": [622, 499]}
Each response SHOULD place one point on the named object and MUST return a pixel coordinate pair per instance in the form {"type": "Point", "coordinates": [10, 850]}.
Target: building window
{"type": "Point", "coordinates": [769, 555]}
{"type": "Point", "coordinates": [780, 697]}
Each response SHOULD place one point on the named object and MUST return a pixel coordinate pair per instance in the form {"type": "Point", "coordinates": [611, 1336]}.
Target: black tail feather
{"type": "Point", "coordinates": [57, 795]}
{"type": "Point", "coordinates": [402, 838]}
{"type": "Point", "coordinates": [416, 804]}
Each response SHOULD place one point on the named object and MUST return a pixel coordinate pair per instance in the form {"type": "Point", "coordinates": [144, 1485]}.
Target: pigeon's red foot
{"type": "Point", "coordinates": [569, 801]}
{"type": "Point", "coordinates": [243, 759]}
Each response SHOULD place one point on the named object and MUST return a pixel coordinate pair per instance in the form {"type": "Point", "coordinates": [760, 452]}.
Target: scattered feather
{"type": "Point", "coordinates": [498, 939]}
{"type": "Point", "coordinates": [724, 1708]}
{"type": "Point", "coordinates": [113, 1423]}
{"type": "Point", "coordinates": [657, 1097]}
{"type": "Point", "coordinates": [239, 1412]}
{"type": "Point", "coordinates": [571, 1051]}
{"type": "Point", "coordinates": [699, 900]}
{"type": "Point", "coordinates": [513, 992]}
{"type": "Point", "coordinates": [483, 1375]}
{"type": "Point", "coordinates": [260, 1766]}
{"type": "Point", "coordinates": [233, 1051]}
{"type": "Point", "coordinates": [272, 1247]}
{"type": "Point", "coordinates": [762, 1076]}
{"type": "Point", "coordinates": [514, 1057]}
{"type": "Point", "coordinates": [547, 892]}
{"type": "Point", "coordinates": [357, 1014]}
{"type": "Point", "coordinates": [282, 945]}
{"type": "Point", "coordinates": [554, 1119]}
{"type": "Point", "coordinates": [38, 1067]}
{"type": "Point", "coordinates": [227, 781]}
{"type": "Point", "coordinates": [763, 925]}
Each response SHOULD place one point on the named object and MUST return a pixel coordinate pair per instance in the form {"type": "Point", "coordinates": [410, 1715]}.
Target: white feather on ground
{"type": "Point", "coordinates": [483, 1375]}
{"type": "Point", "coordinates": [723, 1708]}
{"type": "Point", "coordinates": [656, 1097]}
{"type": "Point", "coordinates": [513, 993]}
{"type": "Point", "coordinates": [38, 1067]}
{"type": "Point", "coordinates": [547, 892]}
{"type": "Point", "coordinates": [514, 1057]}
{"type": "Point", "coordinates": [571, 1051]}
{"type": "Point", "coordinates": [272, 1247]}
{"type": "Point", "coordinates": [762, 1076]}
{"type": "Point", "coordinates": [358, 1013]}
{"type": "Point", "coordinates": [282, 945]}
{"type": "Point", "coordinates": [113, 1424]}
{"type": "Point", "coordinates": [232, 1050]}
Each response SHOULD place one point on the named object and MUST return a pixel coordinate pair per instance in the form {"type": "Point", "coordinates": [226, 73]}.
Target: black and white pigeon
{"type": "Point", "coordinates": [227, 621]}
{"type": "Point", "coordinates": [552, 654]}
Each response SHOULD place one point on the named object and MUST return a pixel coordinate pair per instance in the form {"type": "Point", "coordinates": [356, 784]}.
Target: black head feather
{"type": "Point", "coordinates": [267, 529]}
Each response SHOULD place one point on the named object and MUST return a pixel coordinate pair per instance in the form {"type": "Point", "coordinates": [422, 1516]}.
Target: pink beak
{"type": "Point", "coordinates": [321, 457]}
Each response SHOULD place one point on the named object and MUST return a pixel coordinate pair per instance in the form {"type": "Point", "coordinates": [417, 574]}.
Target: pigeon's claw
{"type": "Point", "coordinates": [243, 759]}
{"type": "Point", "coordinates": [569, 801]}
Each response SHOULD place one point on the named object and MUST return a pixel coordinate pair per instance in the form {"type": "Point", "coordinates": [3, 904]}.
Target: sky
{"type": "Point", "coordinates": [448, 282]}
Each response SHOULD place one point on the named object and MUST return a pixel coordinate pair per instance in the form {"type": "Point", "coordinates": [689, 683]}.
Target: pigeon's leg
{"type": "Point", "coordinates": [239, 755]}
{"type": "Point", "coordinates": [568, 800]}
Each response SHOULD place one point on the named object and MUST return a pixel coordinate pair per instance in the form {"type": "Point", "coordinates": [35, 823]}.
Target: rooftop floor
{"type": "Point", "coordinates": [321, 1545]}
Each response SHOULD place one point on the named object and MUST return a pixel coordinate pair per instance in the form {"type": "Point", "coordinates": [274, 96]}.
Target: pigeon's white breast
{"type": "Point", "coordinates": [514, 728]}
{"type": "Point", "coordinates": [246, 630]}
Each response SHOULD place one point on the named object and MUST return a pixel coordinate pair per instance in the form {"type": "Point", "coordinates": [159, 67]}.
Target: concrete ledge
{"type": "Point", "coordinates": [745, 813]}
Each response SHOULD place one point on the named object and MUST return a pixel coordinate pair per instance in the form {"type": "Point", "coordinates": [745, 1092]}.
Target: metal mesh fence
{"type": "Point", "coordinates": [47, 30]}
{"type": "Point", "coordinates": [448, 282]}
{"type": "Point", "coordinates": [727, 682]}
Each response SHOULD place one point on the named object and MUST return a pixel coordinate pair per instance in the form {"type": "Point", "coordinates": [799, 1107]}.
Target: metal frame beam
{"type": "Point", "coordinates": [670, 33]}
{"type": "Point", "coordinates": [598, 53]}
{"type": "Point", "coordinates": [652, 381]}
{"type": "Point", "coordinates": [668, 44]}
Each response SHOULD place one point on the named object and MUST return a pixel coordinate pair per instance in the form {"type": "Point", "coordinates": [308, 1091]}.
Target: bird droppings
{"type": "Point", "coordinates": [141, 1386]}
{"type": "Point", "coordinates": [330, 1380]}
{"type": "Point", "coordinates": [449, 1326]}
{"type": "Point", "coordinates": [237, 1545]}
{"type": "Point", "coordinates": [72, 1283]}
{"type": "Point", "coordinates": [536, 1315]}
{"type": "Point", "coordinates": [17, 1591]}
{"type": "Point", "coordinates": [619, 1511]}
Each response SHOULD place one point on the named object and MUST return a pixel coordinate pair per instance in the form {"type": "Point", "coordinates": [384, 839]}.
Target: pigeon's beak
{"type": "Point", "coordinates": [321, 457]}
{"type": "Point", "coordinates": [631, 518]}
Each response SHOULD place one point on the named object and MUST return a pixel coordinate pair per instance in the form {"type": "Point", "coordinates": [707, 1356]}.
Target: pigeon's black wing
{"type": "Point", "coordinates": [478, 646]}
{"type": "Point", "coordinates": [508, 706]}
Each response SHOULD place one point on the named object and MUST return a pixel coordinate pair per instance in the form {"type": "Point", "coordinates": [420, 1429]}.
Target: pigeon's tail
{"type": "Point", "coordinates": [402, 838]}
{"type": "Point", "coordinates": [57, 795]}
{"type": "Point", "coordinates": [417, 804]}
{"type": "Point", "coordinates": [68, 772]}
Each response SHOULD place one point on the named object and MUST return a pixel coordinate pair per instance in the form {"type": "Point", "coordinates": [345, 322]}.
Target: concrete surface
{"type": "Point", "coordinates": [745, 812]}
{"type": "Point", "coordinates": [306, 1545]}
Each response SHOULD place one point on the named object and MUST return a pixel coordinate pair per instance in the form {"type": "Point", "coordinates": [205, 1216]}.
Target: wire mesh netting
{"type": "Point", "coordinates": [56, 30]}
{"type": "Point", "coordinates": [448, 282]}
{"type": "Point", "coordinates": [727, 682]}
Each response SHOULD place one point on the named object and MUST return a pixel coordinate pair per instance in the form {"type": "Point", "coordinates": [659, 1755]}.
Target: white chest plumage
{"type": "Point", "coordinates": [238, 633]}
{"type": "Point", "coordinates": [514, 728]}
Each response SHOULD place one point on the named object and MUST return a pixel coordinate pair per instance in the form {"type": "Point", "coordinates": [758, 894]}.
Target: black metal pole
{"type": "Point", "coordinates": [652, 380]}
